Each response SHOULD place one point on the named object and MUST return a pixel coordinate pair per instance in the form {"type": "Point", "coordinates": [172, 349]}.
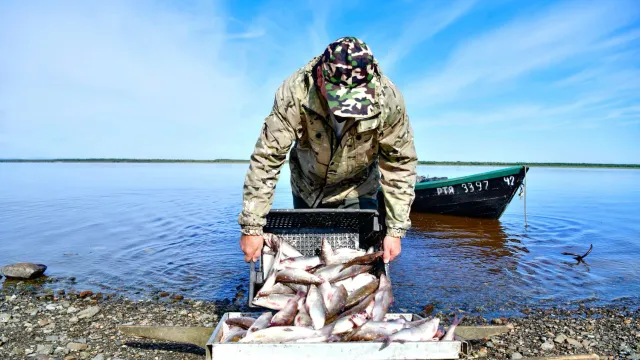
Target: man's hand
{"type": "Point", "coordinates": [391, 246]}
{"type": "Point", "coordinates": [251, 246]}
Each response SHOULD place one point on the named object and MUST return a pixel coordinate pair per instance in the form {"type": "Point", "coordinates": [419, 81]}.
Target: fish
{"type": "Point", "coordinates": [329, 272]}
{"type": "Point", "coordinates": [352, 284]}
{"type": "Point", "coordinates": [399, 320]}
{"type": "Point", "coordinates": [449, 335]}
{"type": "Point", "coordinates": [346, 324]}
{"type": "Point", "coordinates": [341, 258]}
{"type": "Point", "coordinates": [273, 301]}
{"type": "Point", "coordinates": [352, 271]}
{"type": "Point", "coordinates": [302, 318]}
{"type": "Point", "coordinates": [365, 305]}
{"type": "Point", "coordinates": [326, 252]}
{"type": "Point", "coordinates": [347, 283]}
{"type": "Point", "coordinates": [297, 287]}
{"type": "Point", "coordinates": [243, 322]}
{"type": "Point", "coordinates": [234, 336]}
{"type": "Point", "coordinates": [288, 312]}
{"type": "Point", "coordinates": [271, 276]}
{"type": "Point", "coordinates": [362, 292]}
{"type": "Point", "coordinates": [383, 299]}
{"type": "Point", "coordinates": [423, 332]}
{"type": "Point", "coordinates": [315, 307]}
{"type": "Point", "coordinates": [278, 288]}
{"type": "Point", "coordinates": [374, 330]}
{"type": "Point", "coordinates": [276, 242]}
{"type": "Point", "coordinates": [262, 322]}
{"type": "Point", "coordinates": [336, 301]}
{"type": "Point", "coordinates": [364, 259]}
{"type": "Point", "coordinates": [334, 296]}
{"type": "Point", "coordinates": [297, 276]}
{"type": "Point", "coordinates": [303, 263]}
{"type": "Point", "coordinates": [282, 334]}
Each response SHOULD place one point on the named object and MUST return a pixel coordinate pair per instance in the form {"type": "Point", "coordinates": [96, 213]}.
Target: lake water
{"type": "Point", "coordinates": [143, 228]}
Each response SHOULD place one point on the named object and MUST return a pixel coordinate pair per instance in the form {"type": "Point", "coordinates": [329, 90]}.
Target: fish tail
{"type": "Point", "coordinates": [386, 341]}
{"type": "Point", "coordinates": [457, 320]}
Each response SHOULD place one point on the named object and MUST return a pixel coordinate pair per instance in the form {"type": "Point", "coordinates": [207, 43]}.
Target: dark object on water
{"type": "Point", "coordinates": [579, 258]}
{"type": "Point", "coordinates": [482, 195]}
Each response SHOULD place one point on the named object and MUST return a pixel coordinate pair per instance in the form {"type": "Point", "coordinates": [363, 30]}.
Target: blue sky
{"type": "Point", "coordinates": [500, 80]}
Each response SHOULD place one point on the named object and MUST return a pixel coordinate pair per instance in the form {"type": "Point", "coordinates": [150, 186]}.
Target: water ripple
{"type": "Point", "coordinates": [174, 228]}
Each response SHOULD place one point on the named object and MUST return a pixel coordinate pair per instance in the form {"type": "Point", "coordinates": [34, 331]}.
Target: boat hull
{"type": "Point", "coordinates": [484, 195]}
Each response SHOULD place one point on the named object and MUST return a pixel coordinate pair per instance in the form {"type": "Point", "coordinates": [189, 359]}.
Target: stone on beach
{"type": "Point", "coordinates": [24, 270]}
{"type": "Point", "coordinates": [88, 312]}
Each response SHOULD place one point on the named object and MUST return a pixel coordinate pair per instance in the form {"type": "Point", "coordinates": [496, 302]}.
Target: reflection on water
{"type": "Point", "coordinates": [141, 228]}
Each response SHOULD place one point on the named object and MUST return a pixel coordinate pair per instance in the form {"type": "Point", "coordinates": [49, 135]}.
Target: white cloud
{"type": "Point", "coordinates": [142, 79]}
{"type": "Point", "coordinates": [426, 23]}
{"type": "Point", "coordinates": [525, 44]}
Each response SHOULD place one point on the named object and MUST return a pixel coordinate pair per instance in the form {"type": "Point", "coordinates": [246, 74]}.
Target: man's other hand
{"type": "Point", "coordinates": [392, 248]}
{"type": "Point", "coordinates": [251, 246]}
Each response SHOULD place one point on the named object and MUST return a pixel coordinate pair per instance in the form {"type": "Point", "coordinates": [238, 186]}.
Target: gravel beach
{"type": "Point", "coordinates": [38, 323]}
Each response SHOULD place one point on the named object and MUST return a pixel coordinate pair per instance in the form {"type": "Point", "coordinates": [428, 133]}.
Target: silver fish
{"type": "Point", "coordinates": [278, 288]}
{"type": "Point", "coordinates": [297, 276]}
{"type": "Point", "coordinates": [383, 299]}
{"type": "Point", "coordinates": [243, 322]}
{"type": "Point", "coordinates": [273, 301]}
{"type": "Point", "coordinates": [282, 334]}
{"type": "Point", "coordinates": [329, 272]}
{"type": "Point", "coordinates": [341, 258]}
{"type": "Point", "coordinates": [345, 251]}
{"type": "Point", "coordinates": [352, 271]}
{"type": "Point", "coordinates": [297, 287]}
{"type": "Point", "coordinates": [423, 332]}
{"type": "Point", "coordinates": [288, 312]}
{"type": "Point", "coordinates": [271, 276]}
{"type": "Point", "coordinates": [352, 284]}
{"type": "Point", "coordinates": [374, 330]}
{"type": "Point", "coordinates": [346, 324]}
{"type": "Point", "coordinates": [347, 283]}
{"type": "Point", "coordinates": [262, 322]}
{"type": "Point", "coordinates": [276, 242]}
{"type": "Point", "coordinates": [449, 335]}
{"type": "Point", "coordinates": [326, 252]}
{"type": "Point", "coordinates": [315, 307]}
{"type": "Point", "coordinates": [364, 259]}
{"type": "Point", "coordinates": [302, 318]}
{"type": "Point", "coordinates": [362, 292]}
{"type": "Point", "coordinates": [234, 336]}
{"type": "Point", "coordinates": [365, 305]}
{"type": "Point", "coordinates": [337, 301]}
{"type": "Point", "coordinates": [303, 263]}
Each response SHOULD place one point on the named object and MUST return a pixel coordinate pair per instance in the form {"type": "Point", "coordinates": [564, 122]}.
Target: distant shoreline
{"type": "Point", "coordinates": [237, 161]}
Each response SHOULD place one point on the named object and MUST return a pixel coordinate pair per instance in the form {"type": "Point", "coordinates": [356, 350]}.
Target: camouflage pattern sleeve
{"type": "Point", "coordinates": [397, 163]}
{"type": "Point", "coordinates": [269, 154]}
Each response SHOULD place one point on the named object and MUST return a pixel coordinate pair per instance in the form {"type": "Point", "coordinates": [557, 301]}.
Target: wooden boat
{"type": "Point", "coordinates": [482, 195]}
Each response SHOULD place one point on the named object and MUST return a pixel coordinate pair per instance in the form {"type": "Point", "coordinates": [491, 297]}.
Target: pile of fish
{"type": "Point", "coordinates": [333, 297]}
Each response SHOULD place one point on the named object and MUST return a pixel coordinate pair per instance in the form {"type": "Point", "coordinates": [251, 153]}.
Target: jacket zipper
{"type": "Point", "coordinates": [326, 174]}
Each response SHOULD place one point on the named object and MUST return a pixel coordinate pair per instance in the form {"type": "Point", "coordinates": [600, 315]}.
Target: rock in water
{"type": "Point", "coordinates": [24, 270]}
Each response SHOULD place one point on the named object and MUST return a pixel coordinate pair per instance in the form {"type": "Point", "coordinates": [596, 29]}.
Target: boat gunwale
{"type": "Point", "coordinates": [513, 170]}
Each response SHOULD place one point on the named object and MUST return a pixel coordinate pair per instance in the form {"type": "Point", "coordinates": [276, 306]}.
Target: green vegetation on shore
{"type": "Point", "coordinates": [237, 161]}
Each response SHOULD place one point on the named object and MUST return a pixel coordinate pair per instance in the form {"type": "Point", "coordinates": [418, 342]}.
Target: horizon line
{"type": "Point", "coordinates": [420, 162]}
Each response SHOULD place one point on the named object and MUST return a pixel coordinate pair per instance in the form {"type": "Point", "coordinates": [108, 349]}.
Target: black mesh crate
{"type": "Point", "coordinates": [304, 229]}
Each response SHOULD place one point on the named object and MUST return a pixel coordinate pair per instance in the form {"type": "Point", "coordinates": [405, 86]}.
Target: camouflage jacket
{"type": "Point", "coordinates": [373, 152]}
